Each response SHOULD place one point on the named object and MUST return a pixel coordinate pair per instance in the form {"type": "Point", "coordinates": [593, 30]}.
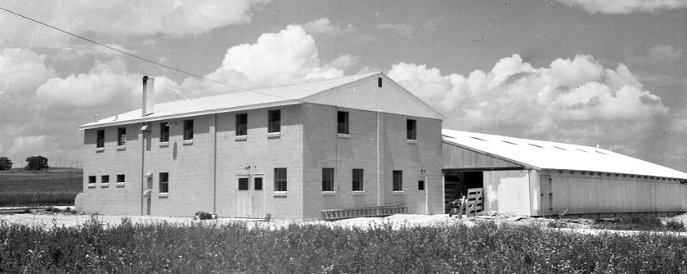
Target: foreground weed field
{"type": "Point", "coordinates": [57, 186]}
{"type": "Point", "coordinates": [486, 247]}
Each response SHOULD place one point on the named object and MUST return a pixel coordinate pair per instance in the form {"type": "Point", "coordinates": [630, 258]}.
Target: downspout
{"type": "Point", "coordinates": [143, 177]}
{"type": "Point", "coordinates": [214, 167]}
{"type": "Point", "coordinates": [379, 175]}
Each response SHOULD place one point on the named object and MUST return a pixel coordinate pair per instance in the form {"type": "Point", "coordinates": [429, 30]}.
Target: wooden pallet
{"type": "Point", "coordinates": [338, 214]}
{"type": "Point", "coordinates": [475, 202]}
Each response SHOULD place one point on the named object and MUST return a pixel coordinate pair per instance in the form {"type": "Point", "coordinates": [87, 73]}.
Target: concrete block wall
{"type": "Point", "coordinates": [324, 148]}
{"type": "Point", "coordinates": [262, 154]}
{"type": "Point", "coordinates": [112, 198]}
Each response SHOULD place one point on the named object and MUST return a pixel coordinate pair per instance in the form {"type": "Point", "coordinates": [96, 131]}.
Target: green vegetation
{"type": "Point", "coordinates": [56, 186]}
{"type": "Point", "coordinates": [36, 163]}
{"type": "Point", "coordinates": [5, 163]}
{"type": "Point", "coordinates": [644, 223]}
{"type": "Point", "coordinates": [203, 248]}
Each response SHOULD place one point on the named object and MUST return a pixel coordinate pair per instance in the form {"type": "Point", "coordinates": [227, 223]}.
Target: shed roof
{"type": "Point", "coordinates": [553, 155]}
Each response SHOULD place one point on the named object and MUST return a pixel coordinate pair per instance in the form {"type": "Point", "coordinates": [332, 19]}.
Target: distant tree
{"type": "Point", "coordinates": [5, 163]}
{"type": "Point", "coordinates": [36, 163]}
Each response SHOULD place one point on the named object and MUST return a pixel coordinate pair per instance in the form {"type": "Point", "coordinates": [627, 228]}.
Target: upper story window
{"type": "Point", "coordinates": [121, 178]}
{"type": "Point", "coordinates": [342, 122]}
{"type": "Point", "coordinates": [91, 179]}
{"type": "Point", "coordinates": [100, 141]}
{"type": "Point", "coordinates": [164, 132]}
{"type": "Point", "coordinates": [411, 132]}
{"type": "Point", "coordinates": [398, 180]}
{"type": "Point", "coordinates": [241, 124]}
{"type": "Point", "coordinates": [358, 179]}
{"type": "Point", "coordinates": [121, 136]}
{"type": "Point", "coordinates": [274, 121]}
{"type": "Point", "coordinates": [280, 179]}
{"type": "Point", "coordinates": [327, 179]}
{"type": "Point", "coordinates": [105, 179]}
{"type": "Point", "coordinates": [188, 129]}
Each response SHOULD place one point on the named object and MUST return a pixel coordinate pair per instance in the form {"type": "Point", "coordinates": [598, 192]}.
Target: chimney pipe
{"type": "Point", "coordinates": [148, 93]}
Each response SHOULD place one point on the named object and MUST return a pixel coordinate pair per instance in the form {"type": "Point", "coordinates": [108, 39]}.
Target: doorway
{"type": "Point", "coordinates": [250, 199]}
{"type": "Point", "coordinates": [456, 184]}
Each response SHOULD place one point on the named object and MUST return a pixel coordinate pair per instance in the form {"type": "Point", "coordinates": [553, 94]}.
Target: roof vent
{"type": "Point", "coordinates": [148, 92]}
{"type": "Point", "coordinates": [473, 137]}
{"type": "Point", "coordinates": [509, 142]}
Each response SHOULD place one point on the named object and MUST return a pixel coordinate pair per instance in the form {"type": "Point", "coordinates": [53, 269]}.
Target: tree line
{"type": "Point", "coordinates": [32, 163]}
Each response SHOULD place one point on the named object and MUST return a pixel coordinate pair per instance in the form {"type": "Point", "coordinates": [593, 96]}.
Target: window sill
{"type": "Point", "coordinates": [328, 193]}
{"type": "Point", "coordinates": [121, 184]}
{"type": "Point", "coordinates": [411, 141]}
{"type": "Point", "coordinates": [104, 185]}
{"type": "Point", "coordinates": [100, 149]}
{"type": "Point", "coordinates": [358, 193]}
{"type": "Point", "coordinates": [274, 135]}
{"type": "Point", "coordinates": [164, 144]}
{"type": "Point", "coordinates": [187, 142]}
{"type": "Point", "coordinates": [279, 194]}
{"type": "Point", "coordinates": [91, 185]}
{"type": "Point", "coordinates": [343, 135]}
{"type": "Point", "coordinates": [239, 138]}
{"type": "Point", "coordinates": [163, 195]}
{"type": "Point", "coordinates": [120, 148]}
{"type": "Point", "coordinates": [396, 192]}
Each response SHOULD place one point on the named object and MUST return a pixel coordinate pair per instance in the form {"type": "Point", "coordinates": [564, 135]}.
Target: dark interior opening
{"type": "Point", "coordinates": [457, 184]}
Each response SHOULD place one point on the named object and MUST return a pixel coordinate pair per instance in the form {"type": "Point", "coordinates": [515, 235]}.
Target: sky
{"type": "Point", "coordinates": [606, 73]}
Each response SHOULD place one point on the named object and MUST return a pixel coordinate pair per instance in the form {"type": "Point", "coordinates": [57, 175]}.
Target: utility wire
{"type": "Point", "coordinates": [118, 50]}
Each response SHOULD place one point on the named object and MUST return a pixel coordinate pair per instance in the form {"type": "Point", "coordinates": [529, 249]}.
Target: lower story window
{"type": "Point", "coordinates": [121, 178]}
{"type": "Point", "coordinates": [243, 183]}
{"type": "Point", "coordinates": [398, 180]}
{"type": "Point", "coordinates": [327, 179]}
{"type": "Point", "coordinates": [91, 179]}
{"type": "Point", "coordinates": [280, 179]}
{"type": "Point", "coordinates": [164, 182]}
{"type": "Point", "coordinates": [105, 179]}
{"type": "Point", "coordinates": [357, 179]}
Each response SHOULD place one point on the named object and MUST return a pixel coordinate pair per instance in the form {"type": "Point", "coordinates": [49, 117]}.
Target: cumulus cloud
{"type": "Point", "coordinates": [179, 17]}
{"type": "Point", "coordinates": [22, 70]}
{"type": "Point", "coordinates": [575, 100]}
{"type": "Point", "coordinates": [401, 29]}
{"type": "Point", "coordinates": [625, 6]}
{"type": "Point", "coordinates": [663, 52]}
{"type": "Point", "coordinates": [286, 57]}
{"type": "Point", "coordinates": [322, 25]}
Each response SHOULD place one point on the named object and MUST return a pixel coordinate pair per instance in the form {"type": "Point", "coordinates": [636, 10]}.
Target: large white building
{"type": "Point", "coordinates": [353, 142]}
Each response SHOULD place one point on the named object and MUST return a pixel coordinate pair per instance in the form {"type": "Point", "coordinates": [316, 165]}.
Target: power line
{"type": "Point", "coordinates": [118, 50]}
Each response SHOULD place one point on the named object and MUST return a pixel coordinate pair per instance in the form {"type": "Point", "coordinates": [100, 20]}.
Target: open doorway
{"type": "Point", "coordinates": [458, 182]}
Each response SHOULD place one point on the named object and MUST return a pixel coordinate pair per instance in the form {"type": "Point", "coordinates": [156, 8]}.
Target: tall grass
{"type": "Point", "coordinates": [486, 247]}
{"type": "Point", "coordinates": [52, 187]}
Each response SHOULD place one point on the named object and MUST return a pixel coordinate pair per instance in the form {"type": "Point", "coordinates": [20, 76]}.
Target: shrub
{"type": "Point", "coordinates": [202, 248]}
{"type": "Point", "coordinates": [201, 215]}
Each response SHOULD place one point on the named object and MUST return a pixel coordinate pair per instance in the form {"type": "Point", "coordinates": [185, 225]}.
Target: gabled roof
{"type": "Point", "coordinates": [251, 99]}
{"type": "Point", "coordinates": [553, 155]}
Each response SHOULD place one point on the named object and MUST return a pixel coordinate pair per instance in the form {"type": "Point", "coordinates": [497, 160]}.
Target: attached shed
{"type": "Point", "coordinates": [540, 178]}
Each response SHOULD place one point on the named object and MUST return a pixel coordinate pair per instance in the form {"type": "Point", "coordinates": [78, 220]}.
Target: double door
{"type": "Point", "coordinates": [250, 197]}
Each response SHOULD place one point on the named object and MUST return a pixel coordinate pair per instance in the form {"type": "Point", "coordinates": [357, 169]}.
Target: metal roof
{"type": "Point", "coordinates": [553, 155]}
{"type": "Point", "coordinates": [235, 101]}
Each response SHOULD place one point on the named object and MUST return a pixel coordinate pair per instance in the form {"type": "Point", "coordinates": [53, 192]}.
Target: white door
{"type": "Point", "coordinates": [243, 197]}
{"type": "Point", "coordinates": [258, 198]}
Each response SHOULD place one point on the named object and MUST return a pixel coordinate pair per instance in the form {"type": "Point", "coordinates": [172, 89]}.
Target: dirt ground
{"type": "Point", "coordinates": [49, 219]}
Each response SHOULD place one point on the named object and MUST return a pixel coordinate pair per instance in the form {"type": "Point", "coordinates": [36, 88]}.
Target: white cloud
{"type": "Point", "coordinates": [322, 25]}
{"type": "Point", "coordinates": [575, 100]}
{"type": "Point", "coordinates": [663, 53]}
{"type": "Point", "coordinates": [31, 145]}
{"type": "Point", "coordinates": [289, 56]}
{"type": "Point", "coordinates": [401, 29]}
{"type": "Point", "coordinates": [179, 17]}
{"type": "Point", "coordinates": [22, 70]}
{"type": "Point", "coordinates": [625, 6]}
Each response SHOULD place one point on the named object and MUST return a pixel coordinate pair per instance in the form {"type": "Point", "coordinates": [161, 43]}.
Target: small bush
{"type": "Point", "coordinates": [643, 223]}
{"type": "Point", "coordinates": [201, 215]}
